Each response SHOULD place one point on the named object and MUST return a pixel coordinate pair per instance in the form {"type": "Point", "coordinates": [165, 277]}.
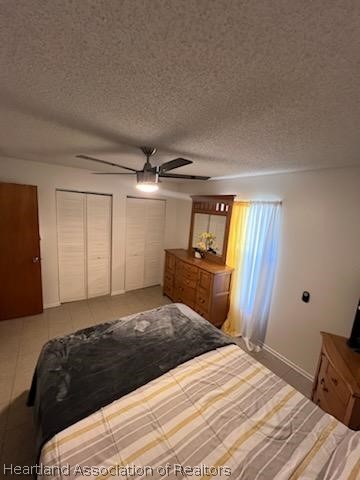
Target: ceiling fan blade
{"type": "Point", "coordinates": [176, 163]}
{"type": "Point", "coordinates": [178, 175]}
{"type": "Point", "coordinates": [114, 173]}
{"type": "Point", "coordinates": [86, 157]}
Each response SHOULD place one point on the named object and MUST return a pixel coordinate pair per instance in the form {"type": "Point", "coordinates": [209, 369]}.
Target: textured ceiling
{"type": "Point", "coordinates": [241, 87]}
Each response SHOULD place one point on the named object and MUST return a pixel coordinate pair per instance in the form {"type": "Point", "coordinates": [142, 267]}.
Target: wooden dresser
{"type": "Point", "coordinates": [202, 285]}
{"type": "Point", "coordinates": [337, 383]}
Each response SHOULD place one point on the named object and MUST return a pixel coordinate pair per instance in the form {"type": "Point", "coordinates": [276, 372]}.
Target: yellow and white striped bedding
{"type": "Point", "coordinates": [220, 415]}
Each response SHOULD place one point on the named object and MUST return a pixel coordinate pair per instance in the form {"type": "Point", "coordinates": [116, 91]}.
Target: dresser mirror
{"type": "Point", "coordinates": [210, 224]}
{"type": "Point", "coordinates": [216, 224]}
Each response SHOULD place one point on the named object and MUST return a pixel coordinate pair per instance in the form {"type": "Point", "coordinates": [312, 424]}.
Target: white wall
{"type": "Point", "coordinates": [320, 252]}
{"type": "Point", "coordinates": [50, 177]}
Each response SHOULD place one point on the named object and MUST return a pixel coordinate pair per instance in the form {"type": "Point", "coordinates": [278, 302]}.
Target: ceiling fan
{"type": "Point", "coordinates": [148, 177]}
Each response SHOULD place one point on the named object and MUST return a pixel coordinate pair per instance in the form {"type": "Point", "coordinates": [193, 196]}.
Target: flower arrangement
{"type": "Point", "coordinates": [206, 243]}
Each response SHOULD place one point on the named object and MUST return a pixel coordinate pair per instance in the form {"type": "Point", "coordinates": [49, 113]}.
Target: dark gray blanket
{"type": "Point", "coordinates": [78, 374]}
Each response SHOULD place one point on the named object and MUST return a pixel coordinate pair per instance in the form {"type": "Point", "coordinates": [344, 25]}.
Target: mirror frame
{"type": "Point", "coordinates": [212, 205]}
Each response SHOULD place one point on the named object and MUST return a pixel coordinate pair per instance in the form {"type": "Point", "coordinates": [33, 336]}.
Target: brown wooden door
{"type": "Point", "coordinates": [20, 270]}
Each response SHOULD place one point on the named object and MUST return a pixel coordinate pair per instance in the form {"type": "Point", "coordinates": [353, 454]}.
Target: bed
{"type": "Point", "coordinates": [181, 401]}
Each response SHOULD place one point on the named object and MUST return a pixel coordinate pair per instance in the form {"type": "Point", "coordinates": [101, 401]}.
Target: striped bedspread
{"type": "Point", "coordinates": [219, 415]}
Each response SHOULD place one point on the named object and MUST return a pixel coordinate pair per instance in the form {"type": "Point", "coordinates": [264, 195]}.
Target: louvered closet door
{"type": "Point", "coordinates": [98, 208]}
{"type": "Point", "coordinates": [135, 243]}
{"type": "Point", "coordinates": [154, 240]}
{"type": "Point", "coordinates": [71, 245]}
{"type": "Point", "coordinates": [145, 221]}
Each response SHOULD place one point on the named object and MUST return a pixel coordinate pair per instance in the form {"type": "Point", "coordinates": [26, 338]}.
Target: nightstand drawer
{"type": "Point", "coordinates": [337, 385]}
{"type": "Point", "coordinates": [323, 366]}
{"type": "Point", "coordinates": [329, 402]}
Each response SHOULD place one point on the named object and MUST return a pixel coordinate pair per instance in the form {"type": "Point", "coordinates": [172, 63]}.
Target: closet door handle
{"type": "Point", "coordinates": [35, 259]}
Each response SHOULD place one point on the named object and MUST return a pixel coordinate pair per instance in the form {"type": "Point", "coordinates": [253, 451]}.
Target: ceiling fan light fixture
{"type": "Point", "coordinates": [147, 187]}
{"type": "Point", "coordinates": [147, 181]}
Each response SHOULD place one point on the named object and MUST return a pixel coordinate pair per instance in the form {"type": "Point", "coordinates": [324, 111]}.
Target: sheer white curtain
{"type": "Point", "coordinates": [258, 270]}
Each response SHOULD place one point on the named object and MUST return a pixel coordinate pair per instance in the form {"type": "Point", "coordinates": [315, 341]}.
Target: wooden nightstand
{"type": "Point", "coordinates": [337, 382]}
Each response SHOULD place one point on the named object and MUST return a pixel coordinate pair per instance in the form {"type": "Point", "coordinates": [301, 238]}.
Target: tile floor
{"type": "Point", "coordinates": [21, 341]}
{"type": "Point", "coordinates": [280, 368]}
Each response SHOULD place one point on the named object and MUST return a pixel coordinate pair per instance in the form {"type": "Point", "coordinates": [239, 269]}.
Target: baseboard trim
{"type": "Point", "coordinates": [117, 292]}
{"type": "Point", "coordinates": [52, 305]}
{"type": "Point", "coordinates": [288, 362]}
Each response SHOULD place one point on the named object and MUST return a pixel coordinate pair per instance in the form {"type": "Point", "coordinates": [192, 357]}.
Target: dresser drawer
{"type": "Point", "coordinates": [337, 385]}
{"type": "Point", "coordinates": [170, 263]}
{"type": "Point", "coordinates": [204, 280]}
{"type": "Point", "coordinates": [168, 290]}
{"type": "Point", "coordinates": [185, 294]}
{"type": "Point", "coordinates": [168, 284]}
{"type": "Point", "coordinates": [189, 295]}
{"type": "Point", "coordinates": [202, 300]}
{"type": "Point", "coordinates": [186, 274]}
{"type": "Point", "coordinates": [178, 282]}
{"type": "Point", "coordinates": [202, 312]}
{"type": "Point", "coordinates": [189, 282]}
{"type": "Point", "coordinates": [169, 278]}
{"type": "Point", "coordinates": [190, 271]}
{"type": "Point", "coordinates": [179, 267]}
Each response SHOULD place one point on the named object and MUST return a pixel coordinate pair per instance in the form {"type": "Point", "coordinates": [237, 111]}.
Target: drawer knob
{"type": "Point", "coordinates": [323, 386]}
